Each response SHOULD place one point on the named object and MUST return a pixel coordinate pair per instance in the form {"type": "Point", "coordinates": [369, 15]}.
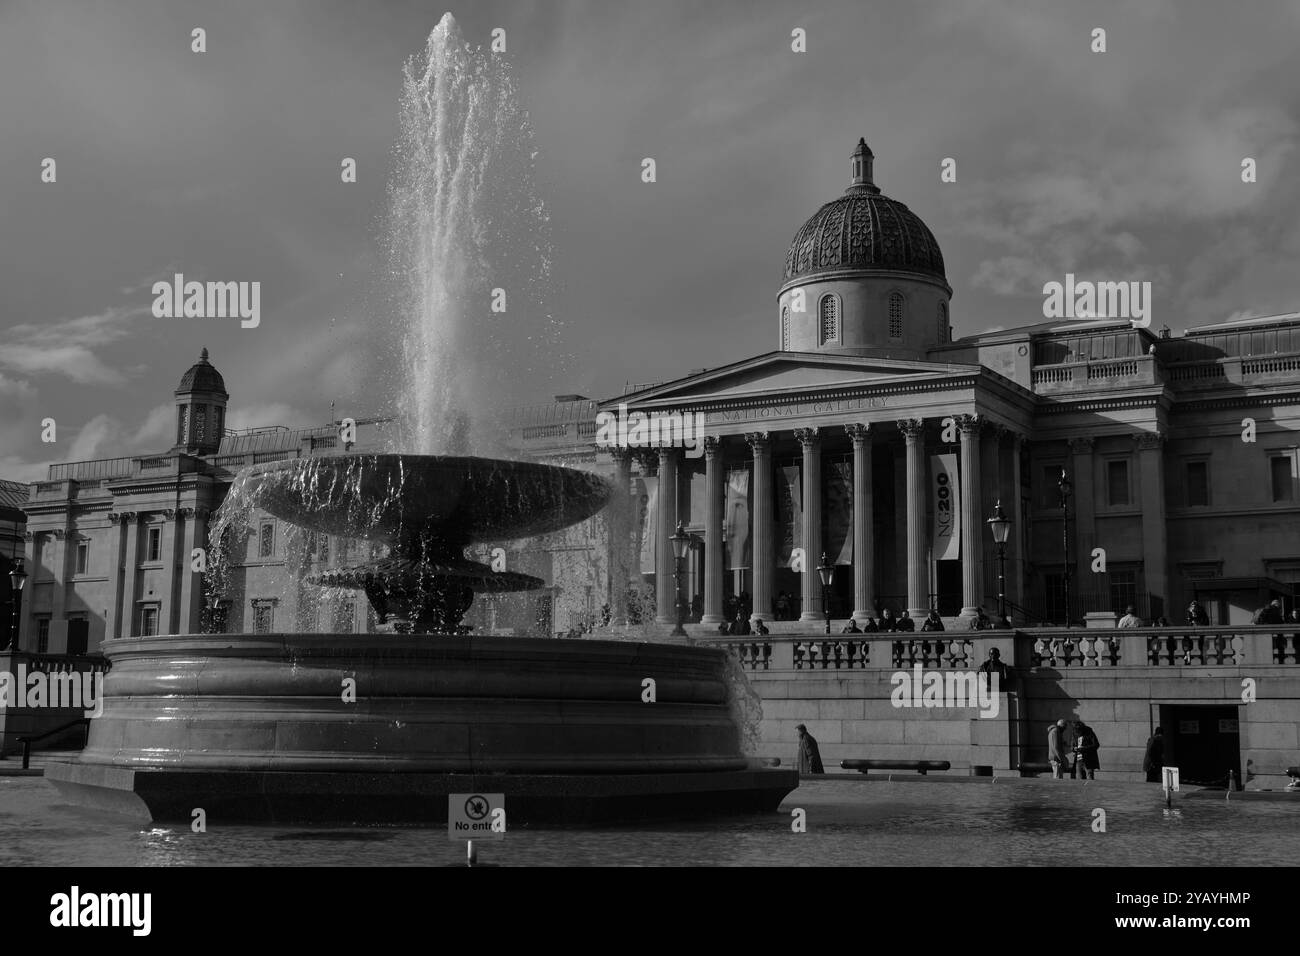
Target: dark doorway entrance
{"type": "Point", "coordinates": [947, 584]}
{"type": "Point", "coordinates": [1203, 741]}
{"type": "Point", "coordinates": [78, 635]}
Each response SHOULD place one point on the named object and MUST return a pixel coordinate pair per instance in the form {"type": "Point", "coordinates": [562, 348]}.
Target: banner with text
{"type": "Point", "coordinates": [735, 523]}
{"type": "Point", "coordinates": [946, 494]}
{"type": "Point", "coordinates": [789, 512]}
{"type": "Point", "coordinates": [837, 509]}
{"type": "Point", "coordinates": [644, 492]}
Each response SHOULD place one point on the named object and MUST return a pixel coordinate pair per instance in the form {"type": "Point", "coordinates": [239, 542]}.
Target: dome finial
{"type": "Point", "coordinates": [863, 160]}
{"type": "Point", "coordinates": [203, 356]}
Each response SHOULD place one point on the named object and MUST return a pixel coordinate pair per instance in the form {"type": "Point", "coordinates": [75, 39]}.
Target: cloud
{"type": "Point", "coordinates": [156, 429]}
{"type": "Point", "coordinates": [66, 346]}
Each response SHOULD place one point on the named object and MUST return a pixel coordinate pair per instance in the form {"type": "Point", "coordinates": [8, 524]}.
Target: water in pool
{"type": "Point", "coordinates": [850, 822]}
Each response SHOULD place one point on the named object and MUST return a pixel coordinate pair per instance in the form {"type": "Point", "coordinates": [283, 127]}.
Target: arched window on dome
{"type": "Point", "coordinates": [785, 329]}
{"type": "Point", "coordinates": [830, 318]}
{"type": "Point", "coordinates": [944, 335]}
{"type": "Point", "coordinates": [896, 315]}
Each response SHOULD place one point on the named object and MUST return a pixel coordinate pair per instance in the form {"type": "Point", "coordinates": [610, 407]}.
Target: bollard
{"type": "Point", "coordinates": [471, 854]}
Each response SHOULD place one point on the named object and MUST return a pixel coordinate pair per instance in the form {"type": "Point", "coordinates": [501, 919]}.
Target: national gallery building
{"type": "Point", "coordinates": [868, 434]}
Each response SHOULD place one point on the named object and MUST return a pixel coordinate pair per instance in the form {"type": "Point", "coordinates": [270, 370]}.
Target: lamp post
{"type": "Point", "coordinates": [1064, 486]}
{"type": "Point", "coordinates": [826, 571]}
{"type": "Point", "coordinates": [1000, 526]}
{"type": "Point", "coordinates": [17, 579]}
{"type": "Point", "coordinates": [681, 540]}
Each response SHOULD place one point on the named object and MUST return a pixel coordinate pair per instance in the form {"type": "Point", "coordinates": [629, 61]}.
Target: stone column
{"type": "Point", "coordinates": [130, 572]}
{"type": "Point", "coordinates": [1151, 464]}
{"type": "Point", "coordinates": [811, 481]}
{"type": "Point", "coordinates": [116, 576]}
{"type": "Point", "coordinates": [666, 507]}
{"type": "Point", "coordinates": [917, 578]}
{"type": "Point", "coordinates": [188, 620]}
{"type": "Point", "coordinates": [58, 562]}
{"type": "Point", "coordinates": [618, 526]}
{"type": "Point", "coordinates": [714, 476]}
{"type": "Point", "coordinates": [1084, 533]}
{"type": "Point", "coordinates": [864, 570]}
{"type": "Point", "coordinates": [761, 522]}
{"type": "Point", "coordinates": [168, 551]}
{"type": "Point", "coordinates": [972, 565]}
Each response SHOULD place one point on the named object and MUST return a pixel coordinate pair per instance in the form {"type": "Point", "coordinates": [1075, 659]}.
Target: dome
{"type": "Point", "coordinates": [202, 377]}
{"type": "Point", "coordinates": [863, 230]}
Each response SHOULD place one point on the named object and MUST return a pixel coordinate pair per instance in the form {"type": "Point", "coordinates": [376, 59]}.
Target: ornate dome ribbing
{"type": "Point", "coordinates": [864, 230]}
{"type": "Point", "coordinates": [202, 377]}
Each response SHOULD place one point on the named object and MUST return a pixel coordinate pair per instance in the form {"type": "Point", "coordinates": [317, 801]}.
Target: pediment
{"type": "Point", "coordinates": [778, 373]}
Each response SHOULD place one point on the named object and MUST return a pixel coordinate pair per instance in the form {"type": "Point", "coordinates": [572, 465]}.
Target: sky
{"type": "Point", "coordinates": [1124, 165]}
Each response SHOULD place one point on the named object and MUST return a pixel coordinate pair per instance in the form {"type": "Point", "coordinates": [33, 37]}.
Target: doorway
{"type": "Point", "coordinates": [1203, 741]}
{"type": "Point", "coordinates": [947, 586]}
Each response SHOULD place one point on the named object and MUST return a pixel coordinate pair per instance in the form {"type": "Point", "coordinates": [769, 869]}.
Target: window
{"type": "Point", "coordinates": [200, 422]}
{"type": "Point", "coordinates": [1283, 474]}
{"type": "Point", "coordinates": [1117, 492]}
{"type": "Point", "coordinates": [1049, 492]}
{"type": "Point", "coordinates": [1123, 589]}
{"type": "Point", "coordinates": [830, 316]}
{"type": "Point", "coordinates": [153, 552]}
{"type": "Point", "coordinates": [219, 431]}
{"type": "Point", "coordinates": [263, 616]}
{"type": "Point", "coordinates": [896, 315]}
{"type": "Point", "coordinates": [83, 556]}
{"type": "Point", "coordinates": [943, 323]}
{"type": "Point", "coordinates": [1054, 597]}
{"type": "Point", "coordinates": [785, 329]}
{"type": "Point", "coordinates": [266, 540]}
{"type": "Point", "coordinates": [43, 634]}
{"type": "Point", "coordinates": [1198, 484]}
{"type": "Point", "coordinates": [149, 620]}
{"type": "Point", "coordinates": [182, 420]}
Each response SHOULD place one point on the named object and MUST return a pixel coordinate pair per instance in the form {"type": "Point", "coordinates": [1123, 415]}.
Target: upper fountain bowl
{"type": "Point", "coordinates": [456, 500]}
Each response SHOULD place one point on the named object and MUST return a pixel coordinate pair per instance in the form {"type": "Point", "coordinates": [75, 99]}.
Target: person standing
{"type": "Point", "coordinates": [1086, 746]}
{"type": "Point", "coordinates": [1196, 615]}
{"type": "Point", "coordinates": [1056, 753]}
{"type": "Point", "coordinates": [1130, 618]}
{"type": "Point", "coordinates": [810, 757]}
{"type": "Point", "coordinates": [1154, 759]}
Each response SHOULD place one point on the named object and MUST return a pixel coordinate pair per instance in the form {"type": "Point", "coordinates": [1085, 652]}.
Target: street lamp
{"type": "Point", "coordinates": [1000, 525]}
{"type": "Point", "coordinates": [681, 541]}
{"type": "Point", "coordinates": [826, 571]}
{"type": "Point", "coordinates": [17, 579]}
{"type": "Point", "coordinates": [1064, 487]}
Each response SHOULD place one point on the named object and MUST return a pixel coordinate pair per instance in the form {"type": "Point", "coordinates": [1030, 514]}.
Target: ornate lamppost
{"type": "Point", "coordinates": [681, 541]}
{"type": "Point", "coordinates": [17, 580]}
{"type": "Point", "coordinates": [1063, 486]}
{"type": "Point", "coordinates": [1000, 526]}
{"type": "Point", "coordinates": [826, 571]}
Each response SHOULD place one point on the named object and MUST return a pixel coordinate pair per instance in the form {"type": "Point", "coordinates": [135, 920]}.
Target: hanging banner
{"type": "Point", "coordinates": [946, 495]}
{"type": "Point", "coordinates": [644, 493]}
{"type": "Point", "coordinates": [735, 523]}
{"type": "Point", "coordinates": [789, 512]}
{"type": "Point", "coordinates": [697, 507]}
{"type": "Point", "coordinates": [837, 511]}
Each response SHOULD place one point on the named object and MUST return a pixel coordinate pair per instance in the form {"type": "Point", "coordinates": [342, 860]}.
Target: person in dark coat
{"type": "Point", "coordinates": [887, 621]}
{"type": "Point", "coordinates": [1086, 746]}
{"type": "Point", "coordinates": [760, 627]}
{"type": "Point", "coordinates": [810, 758]}
{"type": "Point", "coordinates": [1154, 758]}
{"type": "Point", "coordinates": [850, 627]}
{"type": "Point", "coordinates": [905, 622]}
{"type": "Point", "coordinates": [932, 621]}
{"type": "Point", "coordinates": [994, 665]}
{"type": "Point", "coordinates": [869, 626]}
{"type": "Point", "coordinates": [1196, 615]}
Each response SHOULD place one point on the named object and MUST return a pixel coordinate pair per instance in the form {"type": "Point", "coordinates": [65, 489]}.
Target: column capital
{"type": "Point", "coordinates": [112, 517]}
{"type": "Point", "coordinates": [712, 445]}
{"type": "Point", "coordinates": [970, 424]}
{"type": "Point", "coordinates": [1082, 446]}
{"type": "Point", "coordinates": [858, 431]}
{"type": "Point", "coordinates": [29, 535]}
{"type": "Point", "coordinates": [806, 436]}
{"type": "Point", "coordinates": [58, 533]}
{"type": "Point", "coordinates": [758, 440]}
{"type": "Point", "coordinates": [910, 427]}
{"type": "Point", "coordinates": [647, 459]}
{"type": "Point", "coordinates": [130, 517]}
{"type": "Point", "coordinates": [1148, 440]}
{"type": "Point", "coordinates": [620, 453]}
{"type": "Point", "coordinates": [667, 452]}
{"type": "Point", "coordinates": [169, 513]}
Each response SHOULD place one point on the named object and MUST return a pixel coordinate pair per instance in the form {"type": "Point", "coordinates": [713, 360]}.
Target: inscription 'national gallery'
{"type": "Point", "coordinates": [796, 409]}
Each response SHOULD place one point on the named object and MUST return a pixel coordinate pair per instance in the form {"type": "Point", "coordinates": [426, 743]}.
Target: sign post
{"type": "Point", "coordinates": [1170, 778]}
{"type": "Point", "coordinates": [475, 816]}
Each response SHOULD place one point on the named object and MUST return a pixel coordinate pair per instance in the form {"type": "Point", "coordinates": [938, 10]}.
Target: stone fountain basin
{"type": "Point", "coordinates": [257, 726]}
{"type": "Point", "coordinates": [455, 499]}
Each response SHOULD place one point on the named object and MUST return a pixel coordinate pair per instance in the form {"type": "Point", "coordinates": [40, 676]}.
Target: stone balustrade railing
{"type": "Point", "coordinates": [1057, 648]}
{"type": "Point", "coordinates": [52, 663]}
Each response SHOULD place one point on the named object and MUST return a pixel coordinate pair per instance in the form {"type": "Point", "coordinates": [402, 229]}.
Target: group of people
{"type": "Point", "coordinates": [1079, 756]}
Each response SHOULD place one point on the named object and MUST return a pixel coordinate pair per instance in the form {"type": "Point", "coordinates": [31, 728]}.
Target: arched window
{"type": "Point", "coordinates": [896, 315]}
{"type": "Point", "coordinates": [785, 329]}
{"type": "Point", "coordinates": [830, 319]}
{"type": "Point", "coordinates": [943, 323]}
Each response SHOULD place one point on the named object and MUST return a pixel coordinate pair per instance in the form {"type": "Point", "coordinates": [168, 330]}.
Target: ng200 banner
{"type": "Point", "coordinates": [946, 492]}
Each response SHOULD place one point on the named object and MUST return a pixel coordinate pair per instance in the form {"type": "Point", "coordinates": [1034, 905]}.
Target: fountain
{"type": "Point", "coordinates": [381, 727]}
